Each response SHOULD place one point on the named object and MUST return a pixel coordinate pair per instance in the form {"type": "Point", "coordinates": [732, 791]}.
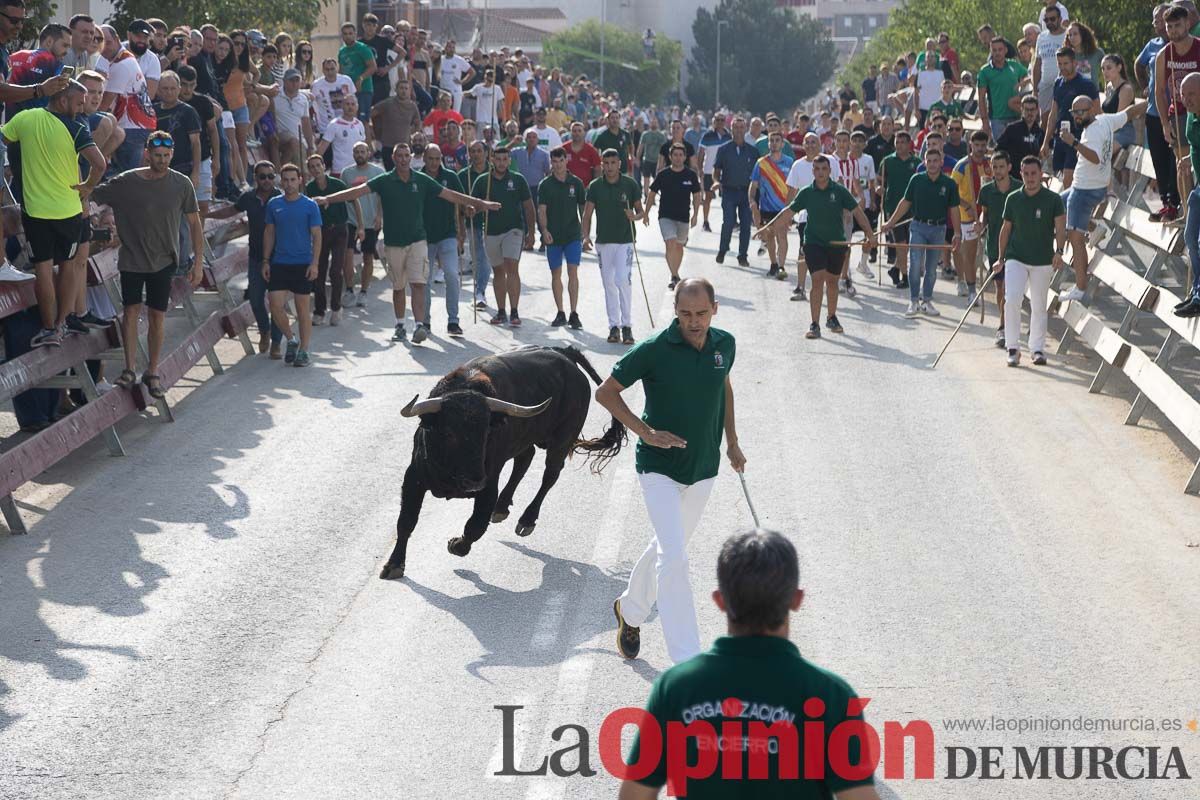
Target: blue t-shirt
{"type": "Point", "coordinates": [1146, 58]}
{"type": "Point", "coordinates": [292, 221]}
{"type": "Point", "coordinates": [1065, 93]}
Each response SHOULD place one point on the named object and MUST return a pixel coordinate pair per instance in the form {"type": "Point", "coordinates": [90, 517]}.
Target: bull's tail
{"type": "Point", "coordinates": [603, 450]}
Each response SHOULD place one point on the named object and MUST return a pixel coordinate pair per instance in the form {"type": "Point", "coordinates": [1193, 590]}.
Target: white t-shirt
{"type": "Point", "coordinates": [865, 172]}
{"type": "Point", "coordinates": [487, 104]}
{"type": "Point", "coordinates": [1098, 137]}
{"type": "Point", "coordinates": [1061, 10]}
{"type": "Point", "coordinates": [548, 138]}
{"type": "Point", "coordinates": [327, 98]}
{"type": "Point", "coordinates": [289, 111]}
{"type": "Point", "coordinates": [1046, 47]}
{"type": "Point", "coordinates": [453, 68]}
{"type": "Point", "coordinates": [799, 176]}
{"type": "Point", "coordinates": [342, 134]}
{"type": "Point", "coordinates": [929, 87]}
{"type": "Point", "coordinates": [133, 109]}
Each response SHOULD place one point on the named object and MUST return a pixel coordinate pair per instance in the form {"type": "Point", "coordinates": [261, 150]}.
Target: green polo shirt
{"type": "Point", "coordinates": [403, 204]}
{"type": "Point", "coordinates": [467, 176]}
{"type": "Point", "coordinates": [620, 141]}
{"type": "Point", "coordinates": [899, 172]}
{"type": "Point", "coordinates": [511, 192]}
{"type": "Point", "coordinates": [610, 201]}
{"type": "Point", "coordinates": [440, 214]}
{"type": "Point", "coordinates": [1000, 84]}
{"type": "Point", "coordinates": [992, 199]}
{"type": "Point", "coordinates": [1192, 133]}
{"type": "Point", "coordinates": [336, 213]}
{"type": "Point", "coordinates": [1032, 239]}
{"type": "Point", "coordinates": [748, 679]}
{"type": "Point", "coordinates": [952, 110]}
{"type": "Point", "coordinates": [564, 203]}
{"type": "Point", "coordinates": [685, 395]}
{"type": "Point", "coordinates": [931, 200]}
{"type": "Point", "coordinates": [824, 207]}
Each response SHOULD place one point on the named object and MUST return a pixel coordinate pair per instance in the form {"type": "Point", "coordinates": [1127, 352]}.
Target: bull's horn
{"type": "Point", "coordinates": [415, 409]}
{"type": "Point", "coordinates": [514, 410]}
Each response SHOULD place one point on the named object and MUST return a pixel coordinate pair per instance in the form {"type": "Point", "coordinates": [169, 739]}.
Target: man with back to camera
{"type": "Point", "coordinates": [758, 587]}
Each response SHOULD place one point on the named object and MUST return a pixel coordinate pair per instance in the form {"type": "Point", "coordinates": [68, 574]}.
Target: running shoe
{"type": "Point", "coordinates": [629, 638]}
{"type": "Point", "coordinates": [1187, 301]}
{"type": "Point", "coordinates": [1067, 295]}
{"type": "Point", "coordinates": [1014, 357]}
{"type": "Point", "coordinates": [1000, 338]}
{"type": "Point", "coordinates": [361, 301]}
{"type": "Point", "coordinates": [913, 310]}
{"type": "Point", "coordinates": [614, 335]}
{"type": "Point", "coordinates": [721, 257]}
{"type": "Point", "coordinates": [848, 287]}
{"type": "Point", "coordinates": [903, 284]}
{"type": "Point", "coordinates": [95, 321]}
{"type": "Point", "coordinates": [289, 355]}
{"type": "Point", "coordinates": [929, 309]}
{"type": "Point", "coordinates": [962, 288]}
{"type": "Point", "coordinates": [453, 329]}
{"type": "Point", "coordinates": [814, 331]}
{"type": "Point", "coordinates": [560, 319]}
{"type": "Point", "coordinates": [335, 318]}
{"type": "Point", "coordinates": [348, 297]}
{"type": "Point", "coordinates": [762, 250]}
{"type": "Point", "coordinates": [302, 359]}
{"type": "Point", "coordinates": [276, 351]}
{"type": "Point", "coordinates": [782, 275]}
{"type": "Point", "coordinates": [773, 271]}
{"type": "Point", "coordinates": [743, 261]}
{"type": "Point", "coordinates": [799, 294]}
{"type": "Point", "coordinates": [706, 227]}
{"type": "Point", "coordinates": [627, 335]}
{"type": "Point", "coordinates": [420, 333]}
{"type": "Point", "coordinates": [74, 326]}
{"type": "Point", "coordinates": [11, 274]}
{"type": "Point", "coordinates": [318, 319]}
{"type": "Point", "coordinates": [673, 283]}
{"type": "Point", "coordinates": [1188, 310]}
{"type": "Point", "coordinates": [573, 322]}
{"type": "Point", "coordinates": [864, 270]}
{"type": "Point", "coordinates": [480, 303]}
{"type": "Point", "coordinates": [1039, 358]}
{"type": "Point", "coordinates": [894, 274]}
{"type": "Point", "coordinates": [47, 337]}
{"type": "Point", "coordinates": [833, 324]}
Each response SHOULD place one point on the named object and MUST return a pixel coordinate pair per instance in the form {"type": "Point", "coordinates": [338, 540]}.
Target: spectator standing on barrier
{"type": "Point", "coordinates": [992, 196]}
{"type": "Point", "coordinates": [445, 236]}
{"type": "Point", "coordinates": [616, 200]}
{"type": "Point", "coordinates": [561, 197]}
{"type": "Point", "coordinates": [507, 231]}
{"type": "Point", "coordinates": [52, 141]}
{"type": "Point", "coordinates": [1190, 97]}
{"type": "Point", "coordinates": [291, 246]}
{"type": "Point", "coordinates": [1067, 87]}
{"type": "Point", "coordinates": [293, 128]}
{"type": "Point", "coordinates": [1160, 152]}
{"type": "Point", "coordinates": [476, 166]}
{"type": "Point", "coordinates": [997, 87]}
{"type": "Point", "coordinates": [1031, 245]}
{"type": "Point", "coordinates": [328, 92]}
{"type": "Point", "coordinates": [331, 263]}
{"type": "Point", "coordinates": [1093, 175]}
{"type": "Point", "coordinates": [363, 232]}
{"type": "Point", "coordinates": [732, 169]}
{"type": "Point", "coordinates": [253, 203]}
{"type": "Point", "coordinates": [395, 119]}
{"type": "Point", "coordinates": [357, 61]}
{"type": "Point", "coordinates": [684, 370]}
{"type": "Point", "coordinates": [1179, 58]}
{"type": "Point", "coordinates": [209, 112]}
{"type": "Point", "coordinates": [149, 204]}
{"type": "Point", "coordinates": [182, 123]}
{"type": "Point", "coordinates": [126, 96]}
{"type": "Point", "coordinates": [1025, 136]}
{"type": "Point", "coordinates": [1045, 63]}
{"type": "Point", "coordinates": [681, 189]}
{"type": "Point", "coordinates": [758, 587]}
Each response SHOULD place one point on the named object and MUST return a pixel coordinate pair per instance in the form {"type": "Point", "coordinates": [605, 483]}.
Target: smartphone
{"type": "Point", "coordinates": [68, 72]}
{"type": "Point", "coordinates": [1064, 126]}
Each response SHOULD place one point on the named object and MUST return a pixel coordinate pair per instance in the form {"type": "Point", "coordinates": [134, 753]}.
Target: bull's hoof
{"type": "Point", "coordinates": [458, 546]}
{"type": "Point", "coordinates": [499, 516]}
{"type": "Point", "coordinates": [392, 572]}
{"type": "Point", "coordinates": [525, 528]}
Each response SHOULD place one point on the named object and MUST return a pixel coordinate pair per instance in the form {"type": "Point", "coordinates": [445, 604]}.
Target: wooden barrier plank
{"type": "Point", "coordinates": [239, 320]}
{"type": "Point", "coordinates": [38, 365]}
{"type": "Point", "coordinates": [16, 296]}
{"type": "Point", "coordinates": [1136, 223]}
{"type": "Point", "coordinates": [175, 365]}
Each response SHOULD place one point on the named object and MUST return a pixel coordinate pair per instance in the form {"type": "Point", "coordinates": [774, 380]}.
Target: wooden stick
{"type": "Point", "coordinates": [963, 321]}
{"type": "Point", "coordinates": [886, 244]}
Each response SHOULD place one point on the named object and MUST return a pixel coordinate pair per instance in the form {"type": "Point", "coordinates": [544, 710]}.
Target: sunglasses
{"type": "Point", "coordinates": [265, 176]}
{"type": "Point", "coordinates": [160, 140]}
{"type": "Point", "coordinates": [306, 52]}
{"type": "Point", "coordinates": [12, 19]}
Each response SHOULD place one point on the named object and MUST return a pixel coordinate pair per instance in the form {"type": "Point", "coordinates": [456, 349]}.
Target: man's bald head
{"type": "Point", "coordinates": [1189, 92]}
{"type": "Point", "coordinates": [697, 286]}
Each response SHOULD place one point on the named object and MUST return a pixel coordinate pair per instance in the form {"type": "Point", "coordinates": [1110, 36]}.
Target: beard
{"type": "Point", "coordinates": [138, 50]}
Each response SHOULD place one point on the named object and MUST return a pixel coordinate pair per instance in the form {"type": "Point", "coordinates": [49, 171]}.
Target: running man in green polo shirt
{"type": "Point", "coordinates": [1031, 246]}
{"type": "Point", "coordinates": [616, 200]}
{"type": "Point", "coordinates": [560, 202]}
{"type": "Point", "coordinates": [824, 238]}
{"type": "Point", "coordinates": [506, 231]}
{"type": "Point", "coordinates": [755, 666]}
{"type": "Point", "coordinates": [895, 171]}
{"type": "Point", "coordinates": [402, 195]}
{"type": "Point", "coordinates": [684, 370]}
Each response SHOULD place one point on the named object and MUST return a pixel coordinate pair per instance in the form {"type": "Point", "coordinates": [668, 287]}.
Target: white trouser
{"type": "Point", "coordinates": [616, 270]}
{"type": "Point", "coordinates": [662, 572]}
{"type": "Point", "coordinates": [1016, 276]}
{"type": "Point", "coordinates": [456, 96]}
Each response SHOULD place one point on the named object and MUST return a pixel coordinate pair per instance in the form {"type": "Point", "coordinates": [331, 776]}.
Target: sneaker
{"type": "Point", "coordinates": [971, 295]}
{"type": "Point", "coordinates": [301, 359]}
{"type": "Point", "coordinates": [629, 638]}
{"type": "Point", "coordinates": [894, 274]}
{"type": "Point", "coordinates": [799, 294]}
{"type": "Point", "coordinates": [814, 331]}
{"type": "Point", "coordinates": [782, 274]}
{"type": "Point", "coordinates": [335, 318]}
{"type": "Point", "coordinates": [95, 321]}
{"type": "Point", "coordinates": [833, 324]}
{"type": "Point", "coordinates": [913, 310]}
{"type": "Point", "coordinates": [1039, 358]}
{"type": "Point", "coordinates": [573, 322]}
{"type": "Point", "coordinates": [773, 271]}
{"type": "Point", "coordinates": [453, 329]}
{"type": "Point", "coordinates": [318, 319]}
{"type": "Point", "coordinates": [348, 297]}
{"type": "Point", "coordinates": [721, 257]}
{"type": "Point", "coordinates": [73, 326]}
{"type": "Point", "coordinates": [929, 310]}
{"type": "Point", "coordinates": [292, 346]}
{"type": "Point", "coordinates": [514, 321]}
{"type": "Point", "coordinates": [47, 337]}
{"type": "Point", "coordinates": [420, 333]}
{"type": "Point", "coordinates": [560, 319]}
{"type": "Point", "coordinates": [962, 288]}
{"type": "Point", "coordinates": [1165, 214]}
{"type": "Point", "coordinates": [438, 278]}
{"type": "Point", "coordinates": [1067, 295]}
{"type": "Point", "coordinates": [103, 387]}
{"type": "Point", "coordinates": [276, 351]}
{"type": "Point", "coordinates": [1187, 301]}
{"type": "Point", "coordinates": [626, 335]}
{"type": "Point", "coordinates": [614, 334]}
{"type": "Point", "coordinates": [11, 274]}
{"type": "Point", "coordinates": [848, 287]}
{"type": "Point", "coordinates": [1000, 338]}
{"type": "Point", "coordinates": [706, 227]}
{"type": "Point", "coordinates": [480, 304]}
{"type": "Point", "coordinates": [399, 335]}
{"type": "Point", "coordinates": [743, 261]}
{"type": "Point", "coordinates": [762, 250]}
{"type": "Point", "coordinates": [1188, 310]}
{"type": "Point", "coordinates": [673, 282]}
{"type": "Point", "coordinates": [903, 284]}
{"type": "Point", "coordinates": [948, 272]}
{"type": "Point", "coordinates": [1014, 357]}
{"type": "Point", "coordinates": [864, 270]}
{"type": "Point", "coordinates": [501, 318]}
{"type": "Point", "coordinates": [361, 300]}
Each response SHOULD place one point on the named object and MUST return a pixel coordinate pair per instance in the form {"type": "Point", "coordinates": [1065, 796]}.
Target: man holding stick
{"type": "Point", "coordinates": [895, 171]}
{"type": "Point", "coordinates": [991, 204]}
{"type": "Point", "coordinates": [616, 200]}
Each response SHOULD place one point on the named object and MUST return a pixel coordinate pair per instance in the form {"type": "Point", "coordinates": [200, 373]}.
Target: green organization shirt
{"type": "Point", "coordinates": [931, 200]}
{"type": "Point", "coordinates": [466, 177]}
{"type": "Point", "coordinates": [336, 213]}
{"type": "Point", "coordinates": [899, 172]}
{"type": "Point", "coordinates": [440, 215]}
{"type": "Point", "coordinates": [1032, 239]}
{"type": "Point", "coordinates": [564, 203]}
{"type": "Point", "coordinates": [992, 199]}
{"type": "Point", "coordinates": [403, 204]}
{"type": "Point", "coordinates": [354, 60]}
{"type": "Point", "coordinates": [951, 109]}
{"type": "Point", "coordinates": [1192, 133]}
{"type": "Point", "coordinates": [510, 191]}
{"type": "Point", "coordinates": [620, 141]}
{"type": "Point", "coordinates": [1000, 85]}
{"type": "Point", "coordinates": [611, 200]}
{"type": "Point", "coordinates": [685, 395]}
{"type": "Point", "coordinates": [755, 679]}
{"type": "Point", "coordinates": [824, 207]}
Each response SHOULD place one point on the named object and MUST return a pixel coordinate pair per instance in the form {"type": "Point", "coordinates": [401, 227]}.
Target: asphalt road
{"type": "Point", "coordinates": [202, 619]}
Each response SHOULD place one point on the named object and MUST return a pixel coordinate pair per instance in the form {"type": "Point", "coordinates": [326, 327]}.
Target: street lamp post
{"type": "Point", "coordinates": [603, 25]}
{"type": "Point", "coordinates": [720, 24]}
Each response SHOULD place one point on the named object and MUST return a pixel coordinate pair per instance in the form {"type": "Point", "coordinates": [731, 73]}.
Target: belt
{"type": "Point", "coordinates": [930, 221]}
{"type": "Point", "coordinates": [735, 188]}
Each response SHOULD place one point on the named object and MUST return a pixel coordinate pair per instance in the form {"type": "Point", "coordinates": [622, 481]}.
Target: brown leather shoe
{"type": "Point", "coordinates": [276, 351]}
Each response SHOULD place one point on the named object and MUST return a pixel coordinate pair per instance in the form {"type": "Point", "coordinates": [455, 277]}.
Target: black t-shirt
{"type": "Point", "coordinates": [180, 121]}
{"type": "Point", "coordinates": [878, 148]}
{"type": "Point", "coordinates": [477, 77]}
{"type": "Point", "coordinates": [382, 47]}
{"type": "Point", "coordinates": [688, 151]}
{"type": "Point", "coordinates": [525, 115]}
{"type": "Point", "coordinates": [675, 190]}
{"type": "Point", "coordinates": [206, 77]}
{"type": "Point", "coordinates": [204, 109]}
{"type": "Point", "coordinates": [1020, 140]}
{"type": "Point", "coordinates": [256, 220]}
{"type": "Point", "coordinates": [868, 89]}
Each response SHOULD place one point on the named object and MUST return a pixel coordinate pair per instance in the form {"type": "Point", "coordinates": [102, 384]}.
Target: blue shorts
{"type": "Point", "coordinates": [241, 115]}
{"type": "Point", "coordinates": [1081, 203]}
{"type": "Point", "coordinates": [1063, 156]}
{"type": "Point", "coordinates": [571, 251]}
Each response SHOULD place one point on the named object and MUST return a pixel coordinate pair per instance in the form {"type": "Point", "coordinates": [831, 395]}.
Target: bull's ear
{"type": "Point", "coordinates": [498, 420]}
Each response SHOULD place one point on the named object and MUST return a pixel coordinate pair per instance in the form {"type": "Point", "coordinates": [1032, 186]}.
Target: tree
{"type": "Point", "coordinates": [771, 58]}
{"type": "Point", "coordinates": [627, 71]}
{"type": "Point", "coordinates": [266, 15]}
{"type": "Point", "coordinates": [37, 14]}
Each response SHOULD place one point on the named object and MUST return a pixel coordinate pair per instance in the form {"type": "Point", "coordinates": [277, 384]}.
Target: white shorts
{"type": "Point", "coordinates": [227, 120]}
{"type": "Point", "coordinates": [970, 231]}
{"type": "Point", "coordinates": [204, 190]}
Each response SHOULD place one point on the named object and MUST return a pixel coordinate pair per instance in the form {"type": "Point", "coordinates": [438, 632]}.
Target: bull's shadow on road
{"type": "Point", "coordinates": [537, 627]}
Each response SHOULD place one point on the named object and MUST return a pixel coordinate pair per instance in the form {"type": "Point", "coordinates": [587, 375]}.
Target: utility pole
{"type": "Point", "coordinates": [721, 23]}
{"type": "Point", "coordinates": [603, 25]}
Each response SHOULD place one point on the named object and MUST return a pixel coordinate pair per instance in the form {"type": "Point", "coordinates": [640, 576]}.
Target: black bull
{"type": "Point", "coordinates": [489, 411]}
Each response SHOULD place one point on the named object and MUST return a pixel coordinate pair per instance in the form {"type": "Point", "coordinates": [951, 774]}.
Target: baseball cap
{"type": "Point", "coordinates": [291, 73]}
{"type": "Point", "coordinates": [140, 26]}
{"type": "Point", "coordinates": [256, 36]}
